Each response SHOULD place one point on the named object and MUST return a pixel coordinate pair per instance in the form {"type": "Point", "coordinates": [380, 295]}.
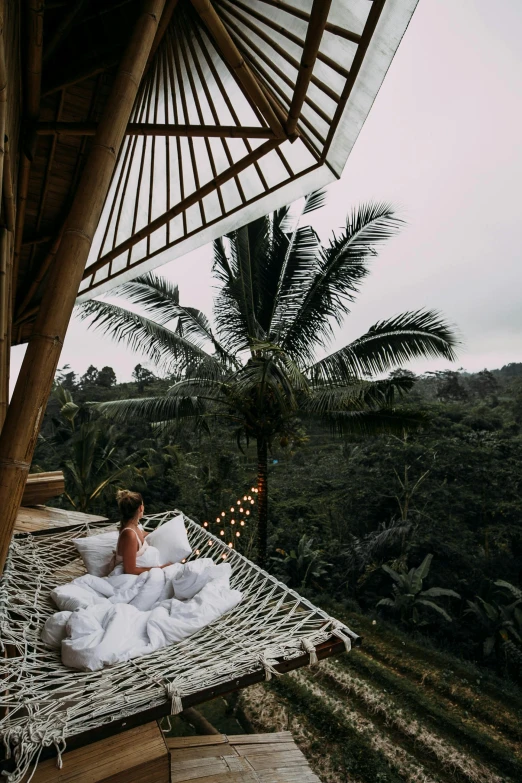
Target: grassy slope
{"type": "Point", "coordinates": [395, 711]}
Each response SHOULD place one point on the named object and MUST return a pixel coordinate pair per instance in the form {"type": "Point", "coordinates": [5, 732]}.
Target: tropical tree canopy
{"type": "Point", "coordinates": [280, 294]}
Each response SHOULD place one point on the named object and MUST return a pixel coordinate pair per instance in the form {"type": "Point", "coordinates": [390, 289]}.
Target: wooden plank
{"type": "Point", "coordinates": [254, 739]}
{"type": "Point", "coordinates": [135, 756]}
{"type": "Point", "coordinates": [202, 752]}
{"type": "Point", "coordinates": [40, 487]}
{"type": "Point", "coordinates": [190, 742]}
{"type": "Point", "coordinates": [278, 761]}
{"type": "Point", "coordinates": [198, 768]}
{"type": "Point", "coordinates": [29, 520]}
{"type": "Point", "coordinates": [287, 775]}
{"type": "Point", "coordinates": [275, 747]}
{"type": "Point", "coordinates": [230, 777]}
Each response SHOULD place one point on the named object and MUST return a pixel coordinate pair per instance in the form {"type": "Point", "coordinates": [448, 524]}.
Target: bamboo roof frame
{"type": "Point", "coordinates": [236, 109]}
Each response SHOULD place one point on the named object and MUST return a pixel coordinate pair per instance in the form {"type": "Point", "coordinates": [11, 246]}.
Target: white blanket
{"type": "Point", "coordinates": [107, 620]}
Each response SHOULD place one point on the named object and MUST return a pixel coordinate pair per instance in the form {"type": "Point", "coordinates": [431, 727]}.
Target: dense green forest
{"type": "Point", "coordinates": [415, 542]}
{"type": "Point", "coordinates": [349, 518]}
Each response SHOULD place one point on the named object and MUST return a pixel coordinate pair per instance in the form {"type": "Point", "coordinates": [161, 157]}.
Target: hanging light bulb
{"type": "Point", "coordinates": [252, 502]}
{"type": "Point", "coordinates": [245, 497]}
{"type": "Point", "coordinates": [222, 513]}
{"type": "Point", "coordinates": [184, 560]}
{"type": "Point", "coordinates": [232, 509]}
{"type": "Point", "coordinates": [232, 521]}
{"type": "Point", "coordinates": [197, 551]}
{"type": "Point", "coordinates": [241, 510]}
{"type": "Point", "coordinates": [247, 512]}
{"type": "Point", "coordinates": [254, 489]}
{"type": "Point", "coordinates": [210, 543]}
{"type": "Point", "coordinates": [250, 497]}
{"type": "Point", "coordinates": [224, 557]}
{"type": "Point", "coordinates": [238, 502]}
{"type": "Point", "coordinates": [238, 534]}
{"type": "Point", "coordinates": [221, 532]}
{"type": "Point", "coordinates": [242, 522]}
{"type": "Point", "coordinates": [230, 545]}
{"type": "Point", "coordinates": [218, 519]}
{"type": "Point", "coordinates": [205, 524]}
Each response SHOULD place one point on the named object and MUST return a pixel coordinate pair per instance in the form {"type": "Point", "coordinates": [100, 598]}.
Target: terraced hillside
{"type": "Point", "coordinates": [393, 711]}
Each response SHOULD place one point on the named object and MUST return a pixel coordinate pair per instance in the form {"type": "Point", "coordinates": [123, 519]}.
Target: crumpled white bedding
{"type": "Point", "coordinates": [108, 620]}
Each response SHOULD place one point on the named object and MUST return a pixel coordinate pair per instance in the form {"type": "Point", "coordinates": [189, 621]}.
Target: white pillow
{"type": "Point", "coordinates": [97, 552]}
{"type": "Point", "coordinates": [171, 540]}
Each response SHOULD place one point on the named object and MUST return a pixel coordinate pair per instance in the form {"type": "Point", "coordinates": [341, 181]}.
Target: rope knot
{"type": "Point", "coordinates": [309, 647]}
{"type": "Point", "coordinates": [268, 663]}
{"type": "Point", "coordinates": [338, 629]}
{"type": "Point", "coordinates": [174, 694]}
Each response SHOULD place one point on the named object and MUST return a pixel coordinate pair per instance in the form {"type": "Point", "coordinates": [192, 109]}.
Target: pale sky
{"type": "Point", "coordinates": [443, 143]}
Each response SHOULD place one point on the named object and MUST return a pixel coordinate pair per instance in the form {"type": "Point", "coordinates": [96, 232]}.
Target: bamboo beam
{"type": "Point", "coordinates": [3, 90]}
{"type": "Point", "coordinates": [314, 34]}
{"type": "Point", "coordinates": [166, 16]}
{"type": "Point", "coordinates": [7, 188]}
{"type": "Point", "coordinates": [25, 413]}
{"type": "Point", "coordinates": [157, 129]}
{"type": "Point", "coordinates": [4, 311]}
{"type": "Point", "coordinates": [341, 32]}
{"type": "Point", "coordinates": [183, 205]}
{"type": "Point", "coordinates": [234, 59]}
{"type": "Point", "coordinates": [35, 9]}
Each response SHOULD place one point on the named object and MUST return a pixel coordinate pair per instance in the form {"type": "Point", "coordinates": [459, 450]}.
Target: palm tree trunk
{"type": "Point", "coordinates": [262, 501]}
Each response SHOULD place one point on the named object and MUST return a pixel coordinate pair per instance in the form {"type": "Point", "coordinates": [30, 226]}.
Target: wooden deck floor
{"type": "Point", "coordinates": [241, 758]}
{"type": "Point", "coordinates": [35, 518]}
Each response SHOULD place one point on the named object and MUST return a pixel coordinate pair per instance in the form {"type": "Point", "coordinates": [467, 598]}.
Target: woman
{"type": "Point", "coordinates": [133, 554]}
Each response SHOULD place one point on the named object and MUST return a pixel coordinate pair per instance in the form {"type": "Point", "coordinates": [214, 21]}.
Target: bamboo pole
{"type": "Point", "coordinates": [31, 110]}
{"type": "Point", "coordinates": [7, 188]}
{"type": "Point", "coordinates": [158, 129]}
{"type": "Point", "coordinates": [3, 89]}
{"type": "Point", "coordinates": [183, 205]}
{"type": "Point", "coordinates": [166, 16]}
{"type": "Point", "coordinates": [4, 310]}
{"type": "Point", "coordinates": [236, 62]}
{"type": "Point", "coordinates": [314, 34]}
{"type": "Point", "coordinates": [25, 413]}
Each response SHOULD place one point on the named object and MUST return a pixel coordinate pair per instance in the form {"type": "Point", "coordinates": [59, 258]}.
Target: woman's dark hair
{"type": "Point", "coordinates": [128, 503]}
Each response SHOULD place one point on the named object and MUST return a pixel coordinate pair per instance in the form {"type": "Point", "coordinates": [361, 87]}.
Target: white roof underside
{"type": "Point", "coordinates": [172, 179]}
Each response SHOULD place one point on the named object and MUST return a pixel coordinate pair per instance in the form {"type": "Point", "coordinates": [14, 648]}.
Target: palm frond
{"type": "Point", "coordinates": [164, 347]}
{"type": "Point", "coordinates": [388, 344]}
{"type": "Point", "coordinates": [152, 409]}
{"type": "Point", "coordinates": [342, 266]}
{"type": "Point", "coordinates": [160, 297]}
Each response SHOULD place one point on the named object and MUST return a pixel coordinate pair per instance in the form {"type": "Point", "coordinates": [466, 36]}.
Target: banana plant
{"type": "Point", "coordinates": [410, 601]}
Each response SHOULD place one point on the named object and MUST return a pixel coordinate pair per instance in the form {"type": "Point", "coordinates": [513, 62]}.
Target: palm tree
{"type": "Point", "coordinates": [280, 293]}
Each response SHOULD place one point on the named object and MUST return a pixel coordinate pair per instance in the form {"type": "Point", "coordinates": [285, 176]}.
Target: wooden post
{"type": "Point", "coordinates": [3, 91]}
{"type": "Point", "coordinates": [25, 413]}
{"type": "Point", "coordinates": [35, 9]}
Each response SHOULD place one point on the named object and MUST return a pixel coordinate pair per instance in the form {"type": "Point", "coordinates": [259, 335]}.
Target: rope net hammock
{"type": "Point", "coordinates": [44, 704]}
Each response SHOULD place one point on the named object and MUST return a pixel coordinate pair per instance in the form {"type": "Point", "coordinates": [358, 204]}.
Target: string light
{"type": "Point", "coordinates": [250, 497]}
{"type": "Point", "coordinates": [184, 560]}
{"type": "Point", "coordinates": [245, 498]}
{"type": "Point", "coordinates": [222, 513]}
{"type": "Point", "coordinates": [221, 532]}
{"type": "Point", "coordinates": [247, 512]}
{"type": "Point", "coordinates": [254, 489]}
{"type": "Point", "coordinates": [224, 557]}
{"type": "Point", "coordinates": [205, 524]}
{"type": "Point", "coordinates": [242, 522]}
{"type": "Point", "coordinates": [252, 502]}
{"type": "Point", "coordinates": [241, 510]}
{"type": "Point", "coordinates": [230, 545]}
{"type": "Point", "coordinates": [238, 534]}
{"type": "Point", "coordinates": [232, 509]}
{"type": "Point", "coordinates": [197, 551]}
{"type": "Point", "coordinates": [210, 543]}
{"type": "Point", "coordinates": [218, 519]}
{"type": "Point", "coordinates": [232, 521]}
